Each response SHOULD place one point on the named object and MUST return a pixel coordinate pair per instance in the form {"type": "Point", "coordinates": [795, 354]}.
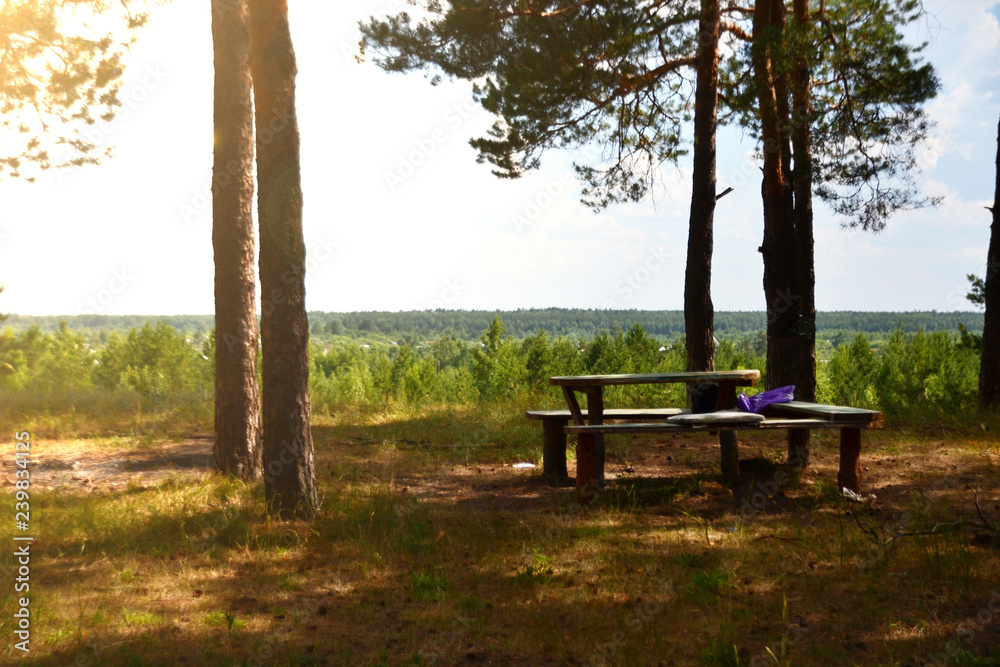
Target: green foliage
{"type": "Point", "coordinates": [977, 291]}
{"type": "Point", "coordinates": [922, 375]}
{"type": "Point", "coordinates": [154, 362]}
{"type": "Point", "coordinates": [498, 368]}
{"type": "Point", "coordinates": [867, 91]}
{"type": "Point", "coordinates": [919, 376]}
{"type": "Point", "coordinates": [705, 583]}
{"type": "Point", "coordinates": [876, 96]}
{"type": "Point", "coordinates": [558, 76]}
{"type": "Point", "coordinates": [459, 327]}
{"type": "Point", "coordinates": [617, 75]}
{"type": "Point", "coordinates": [45, 363]}
{"type": "Point", "coordinates": [429, 584]}
{"type": "Point", "coordinates": [539, 571]}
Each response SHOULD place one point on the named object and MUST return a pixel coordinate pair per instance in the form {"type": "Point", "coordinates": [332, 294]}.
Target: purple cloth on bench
{"type": "Point", "coordinates": [760, 401]}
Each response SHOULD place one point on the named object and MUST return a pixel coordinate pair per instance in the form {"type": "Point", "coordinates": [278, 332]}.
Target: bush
{"type": "Point", "coordinates": [924, 376]}
{"type": "Point", "coordinates": [498, 368]}
{"type": "Point", "coordinates": [45, 364]}
{"type": "Point", "coordinates": [913, 376]}
{"type": "Point", "coordinates": [154, 362]}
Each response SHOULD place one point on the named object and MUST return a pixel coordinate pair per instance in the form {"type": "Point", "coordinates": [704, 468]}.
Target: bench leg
{"type": "Point", "coordinates": [730, 457]}
{"type": "Point", "coordinates": [798, 447]}
{"type": "Point", "coordinates": [554, 449]}
{"type": "Point", "coordinates": [599, 460]}
{"type": "Point", "coordinates": [587, 483]}
{"type": "Point", "coordinates": [850, 460]}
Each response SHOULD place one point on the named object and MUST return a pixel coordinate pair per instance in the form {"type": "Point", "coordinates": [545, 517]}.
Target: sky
{"type": "Point", "coordinates": [399, 216]}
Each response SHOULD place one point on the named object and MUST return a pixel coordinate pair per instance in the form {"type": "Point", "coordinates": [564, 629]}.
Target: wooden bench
{"type": "Point", "coordinates": [554, 437]}
{"type": "Point", "coordinates": [796, 416]}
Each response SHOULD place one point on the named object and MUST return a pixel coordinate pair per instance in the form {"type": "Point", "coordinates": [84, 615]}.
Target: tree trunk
{"type": "Point", "coordinates": [989, 370]}
{"type": "Point", "coordinates": [781, 291]}
{"type": "Point", "coordinates": [289, 468]}
{"type": "Point", "coordinates": [698, 309]}
{"type": "Point", "coordinates": [237, 394]}
{"type": "Point", "coordinates": [805, 385]}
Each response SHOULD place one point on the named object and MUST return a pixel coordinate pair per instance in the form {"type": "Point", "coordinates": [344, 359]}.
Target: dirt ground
{"type": "Point", "coordinates": [84, 466]}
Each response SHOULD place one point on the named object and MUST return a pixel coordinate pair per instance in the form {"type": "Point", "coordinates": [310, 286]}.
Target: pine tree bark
{"type": "Point", "coordinates": [781, 292]}
{"type": "Point", "coordinates": [989, 369]}
{"type": "Point", "coordinates": [698, 309]}
{"type": "Point", "coordinates": [289, 467]}
{"type": "Point", "coordinates": [237, 394]}
{"type": "Point", "coordinates": [801, 131]}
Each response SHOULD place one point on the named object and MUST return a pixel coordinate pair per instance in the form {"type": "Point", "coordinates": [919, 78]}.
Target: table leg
{"type": "Point", "coordinates": [590, 451]}
{"type": "Point", "coordinates": [587, 486]}
{"type": "Point", "coordinates": [554, 450]}
{"type": "Point", "coordinates": [850, 460]}
{"type": "Point", "coordinates": [728, 441]}
{"type": "Point", "coordinates": [730, 457]}
{"type": "Point", "coordinates": [595, 413]}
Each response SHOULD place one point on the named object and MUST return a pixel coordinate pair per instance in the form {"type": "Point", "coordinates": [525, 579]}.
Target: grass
{"type": "Point", "coordinates": [431, 549]}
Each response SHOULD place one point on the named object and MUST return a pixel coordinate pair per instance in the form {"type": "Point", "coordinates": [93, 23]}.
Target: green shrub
{"type": "Point", "coordinates": [498, 367]}
{"type": "Point", "coordinates": [913, 376]}
{"type": "Point", "coordinates": [923, 376]}
{"type": "Point", "coordinates": [154, 362]}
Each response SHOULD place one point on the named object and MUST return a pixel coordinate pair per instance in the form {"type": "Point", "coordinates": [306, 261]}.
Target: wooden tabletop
{"type": "Point", "coordinates": [740, 378]}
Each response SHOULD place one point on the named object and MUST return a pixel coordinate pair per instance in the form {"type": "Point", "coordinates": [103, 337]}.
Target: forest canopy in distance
{"type": "Point", "coordinates": [469, 325]}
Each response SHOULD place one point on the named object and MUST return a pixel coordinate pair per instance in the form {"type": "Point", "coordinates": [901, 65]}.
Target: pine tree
{"type": "Point", "coordinates": [834, 95]}
{"type": "Point", "coordinates": [835, 98]}
{"type": "Point", "coordinates": [699, 311]}
{"type": "Point", "coordinates": [564, 75]}
{"type": "Point", "coordinates": [289, 466]}
{"type": "Point", "coordinates": [237, 394]}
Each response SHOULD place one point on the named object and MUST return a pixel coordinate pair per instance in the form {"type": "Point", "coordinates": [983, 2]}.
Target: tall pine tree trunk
{"type": "Point", "coordinates": [698, 309]}
{"type": "Point", "coordinates": [989, 370]}
{"type": "Point", "coordinates": [781, 292]}
{"type": "Point", "coordinates": [237, 395]}
{"type": "Point", "coordinates": [289, 468]}
{"type": "Point", "coordinates": [805, 385]}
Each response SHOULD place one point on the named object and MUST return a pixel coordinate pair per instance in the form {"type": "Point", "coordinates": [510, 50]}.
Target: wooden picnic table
{"type": "Point", "coordinates": [590, 446]}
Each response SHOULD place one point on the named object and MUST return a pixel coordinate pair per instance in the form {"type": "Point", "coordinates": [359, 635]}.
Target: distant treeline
{"type": "Point", "coordinates": [469, 325]}
{"type": "Point", "coordinates": [588, 323]}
